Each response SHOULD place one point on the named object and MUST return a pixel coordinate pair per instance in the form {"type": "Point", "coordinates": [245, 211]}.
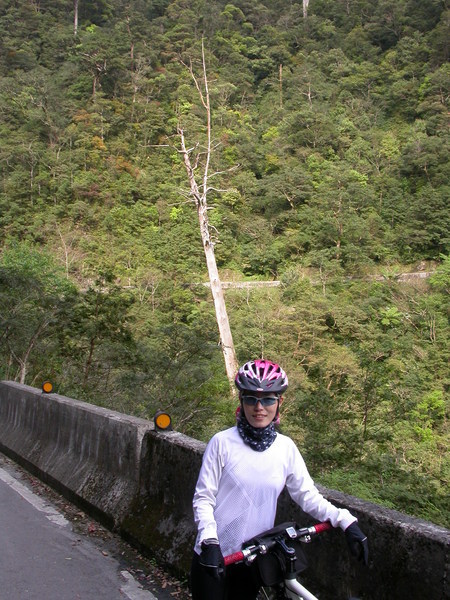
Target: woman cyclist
{"type": "Point", "coordinates": [243, 472]}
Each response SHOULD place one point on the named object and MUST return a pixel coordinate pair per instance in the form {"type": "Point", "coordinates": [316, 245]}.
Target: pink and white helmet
{"type": "Point", "coordinates": [261, 376]}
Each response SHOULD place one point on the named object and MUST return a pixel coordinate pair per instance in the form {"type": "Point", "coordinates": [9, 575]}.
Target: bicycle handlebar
{"type": "Point", "coordinates": [301, 534]}
{"type": "Point", "coordinates": [233, 558]}
{"type": "Point", "coordinates": [320, 527]}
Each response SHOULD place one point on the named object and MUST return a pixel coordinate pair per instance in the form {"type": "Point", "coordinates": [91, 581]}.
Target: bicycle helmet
{"type": "Point", "coordinates": [261, 376]}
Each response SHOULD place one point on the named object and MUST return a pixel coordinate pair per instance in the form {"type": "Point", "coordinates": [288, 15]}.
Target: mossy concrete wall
{"type": "Point", "coordinates": [141, 482]}
{"type": "Point", "coordinates": [83, 450]}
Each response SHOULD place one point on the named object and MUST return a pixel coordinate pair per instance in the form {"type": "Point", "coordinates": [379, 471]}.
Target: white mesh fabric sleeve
{"type": "Point", "coordinates": [206, 491]}
{"type": "Point", "coordinates": [302, 490]}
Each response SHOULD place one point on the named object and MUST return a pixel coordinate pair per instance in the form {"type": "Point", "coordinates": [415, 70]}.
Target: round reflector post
{"type": "Point", "coordinates": [47, 387]}
{"type": "Point", "coordinates": [162, 421]}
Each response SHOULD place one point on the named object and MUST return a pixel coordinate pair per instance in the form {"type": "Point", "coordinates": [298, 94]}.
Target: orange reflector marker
{"type": "Point", "coordinates": [163, 422]}
{"type": "Point", "coordinates": [47, 387]}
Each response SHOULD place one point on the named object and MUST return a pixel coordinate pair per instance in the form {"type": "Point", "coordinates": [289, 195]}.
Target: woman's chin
{"type": "Point", "coordinates": [259, 422]}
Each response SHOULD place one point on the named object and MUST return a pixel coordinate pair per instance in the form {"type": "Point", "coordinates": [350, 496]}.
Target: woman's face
{"type": "Point", "coordinates": [259, 415]}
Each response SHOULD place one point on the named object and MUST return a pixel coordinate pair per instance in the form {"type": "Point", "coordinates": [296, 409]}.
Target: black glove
{"type": "Point", "coordinates": [211, 558]}
{"type": "Point", "coordinates": [357, 543]}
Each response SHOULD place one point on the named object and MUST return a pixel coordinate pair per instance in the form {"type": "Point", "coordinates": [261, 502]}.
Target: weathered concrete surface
{"type": "Point", "coordinates": [161, 518]}
{"type": "Point", "coordinates": [409, 558]}
{"type": "Point", "coordinates": [85, 451]}
{"type": "Point", "coordinates": [142, 482]}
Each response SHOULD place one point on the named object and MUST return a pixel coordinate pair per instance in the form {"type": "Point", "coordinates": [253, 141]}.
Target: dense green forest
{"type": "Point", "coordinates": [331, 160]}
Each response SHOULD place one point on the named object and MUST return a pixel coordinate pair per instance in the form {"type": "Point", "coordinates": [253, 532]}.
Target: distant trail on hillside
{"type": "Point", "coordinates": [402, 277]}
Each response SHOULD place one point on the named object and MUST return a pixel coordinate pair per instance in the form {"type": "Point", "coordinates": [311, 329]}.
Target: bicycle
{"type": "Point", "coordinates": [280, 559]}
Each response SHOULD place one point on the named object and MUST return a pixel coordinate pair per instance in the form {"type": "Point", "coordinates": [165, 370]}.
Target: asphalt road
{"type": "Point", "coordinates": [44, 556]}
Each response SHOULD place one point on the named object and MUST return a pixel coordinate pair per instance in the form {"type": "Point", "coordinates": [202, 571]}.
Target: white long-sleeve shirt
{"type": "Point", "coordinates": [237, 490]}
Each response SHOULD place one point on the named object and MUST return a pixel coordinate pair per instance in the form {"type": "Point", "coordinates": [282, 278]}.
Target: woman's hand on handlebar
{"type": "Point", "coordinates": [211, 558]}
{"type": "Point", "coordinates": [265, 541]}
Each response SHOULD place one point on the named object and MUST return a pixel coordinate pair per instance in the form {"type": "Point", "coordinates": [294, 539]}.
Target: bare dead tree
{"type": "Point", "coordinates": [280, 81]}
{"type": "Point", "coordinates": [199, 188]}
{"type": "Point", "coordinates": [75, 17]}
{"type": "Point", "coordinates": [305, 8]}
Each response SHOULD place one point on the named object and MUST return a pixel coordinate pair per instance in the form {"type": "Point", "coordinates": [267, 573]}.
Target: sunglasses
{"type": "Point", "coordinates": [253, 400]}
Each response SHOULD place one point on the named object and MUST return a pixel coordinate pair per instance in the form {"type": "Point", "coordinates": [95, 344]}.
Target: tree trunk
{"type": "Point", "coordinates": [23, 362]}
{"type": "Point", "coordinates": [226, 338]}
{"type": "Point", "coordinates": [305, 8]}
{"type": "Point", "coordinates": [199, 195]}
{"type": "Point", "coordinates": [281, 85]}
{"type": "Point", "coordinates": [75, 17]}
{"type": "Point", "coordinates": [88, 364]}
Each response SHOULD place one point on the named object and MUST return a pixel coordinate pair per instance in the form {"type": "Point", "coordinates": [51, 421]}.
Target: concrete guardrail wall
{"type": "Point", "coordinates": [141, 482]}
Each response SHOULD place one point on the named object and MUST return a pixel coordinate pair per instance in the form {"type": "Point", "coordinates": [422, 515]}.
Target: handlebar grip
{"type": "Point", "coordinates": [233, 558]}
{"type": "Point", "coordinates": [322, 527]}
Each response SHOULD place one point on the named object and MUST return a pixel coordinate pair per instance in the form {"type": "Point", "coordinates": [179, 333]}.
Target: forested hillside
{"type": "Point", "coordinates": [331, 158]}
